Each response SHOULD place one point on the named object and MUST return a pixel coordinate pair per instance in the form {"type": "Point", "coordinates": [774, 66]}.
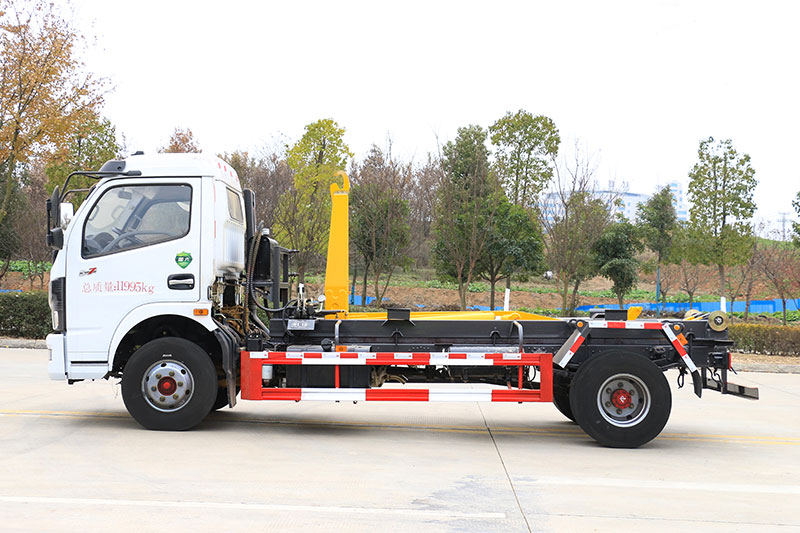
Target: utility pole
{"type": "Point", "coordinates": [783, 225]}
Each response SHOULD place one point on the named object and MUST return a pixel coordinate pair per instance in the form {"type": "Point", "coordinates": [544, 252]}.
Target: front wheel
{"type": "Point", "coordinates": [621, 400]}
{"type": "Point", "coordinates": [169, 384]}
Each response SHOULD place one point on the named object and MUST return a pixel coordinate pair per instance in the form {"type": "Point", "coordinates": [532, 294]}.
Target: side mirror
{"type": "Point", "coordinates": [66, 212]}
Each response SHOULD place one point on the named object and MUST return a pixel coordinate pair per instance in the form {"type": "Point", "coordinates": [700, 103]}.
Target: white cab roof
{"type": "Point", "coordinates": [162, 165]}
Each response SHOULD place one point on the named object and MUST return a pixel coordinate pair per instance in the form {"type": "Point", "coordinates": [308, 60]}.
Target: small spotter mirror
{"type": "Point", "coordinates": [66, 212]}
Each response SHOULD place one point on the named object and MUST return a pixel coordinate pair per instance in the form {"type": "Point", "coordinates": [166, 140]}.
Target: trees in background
{"type": "Point", "coordinates": [466, 204]}
{"type": "Point", "coordinates": [615, 257]}
{"type": "Point", "coordinates": [421, 205]}
{"type": "Point", "coordinates": [93, 142]}
{"type": "Point", "coordinates": [796, 225]}
{"type": "Point", "coordinates": [526, 146]}
{"type": "Point", "coordinates": [181, 141]}
{"type": "Point", "coordinates": [30, 223]}
{"type": "Point", "coordinates": [379, 217]}
{"type": "Point", "coordinates": [303, 213]}
{"type": "Point", "coordinates": [267, 174]}
{"type": "Point", "coordinates": [513, 244]}
{"type": "Point", "coordinates": [44, 92]}
{"type": "Point", "coordinates": [658, 222]}
{"type": "Point", "coordinates": [721, 191]}
{"type": "Point", "coordinates": [780, 264]}
{"type": "Point", "coordinates": [688, 253]}
{"type": "Point", "coordinates": [573, 217]}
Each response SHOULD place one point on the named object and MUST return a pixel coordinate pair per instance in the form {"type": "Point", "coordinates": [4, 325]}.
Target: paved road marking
{"type": "Point", "coordinates": [662, 485]}
{"type": "Point", "coordinates": [251, 507]}
{"type": "Point", "coordinates": [544, 432]}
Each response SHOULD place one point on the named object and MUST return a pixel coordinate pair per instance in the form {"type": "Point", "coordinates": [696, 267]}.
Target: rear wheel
{"type": "Point", "coordinates": [169, 384]}
{"type": "Point", "coordinates": [621, 400]}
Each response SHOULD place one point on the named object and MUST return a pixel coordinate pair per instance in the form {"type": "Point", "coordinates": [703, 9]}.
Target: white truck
{"type": "Point", "coordinates": [160, 274]}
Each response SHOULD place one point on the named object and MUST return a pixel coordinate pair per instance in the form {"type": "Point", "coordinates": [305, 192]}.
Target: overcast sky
{"type": "Point", "coordinates": [638, 83]}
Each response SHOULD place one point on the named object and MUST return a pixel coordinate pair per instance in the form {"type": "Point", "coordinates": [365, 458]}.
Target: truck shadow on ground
{"type": "Point", "coordinates": [311, 426]}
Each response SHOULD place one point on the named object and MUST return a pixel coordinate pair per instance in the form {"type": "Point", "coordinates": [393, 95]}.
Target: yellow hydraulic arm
{"type": "Point", "coordinates": [338, 268]}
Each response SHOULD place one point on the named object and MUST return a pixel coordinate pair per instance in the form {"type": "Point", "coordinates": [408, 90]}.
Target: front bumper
{"type": "Point", "coordinates": [56, 367]}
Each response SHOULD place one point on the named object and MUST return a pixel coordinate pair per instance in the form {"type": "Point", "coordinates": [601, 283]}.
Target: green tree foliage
{"type": "Point", "coordinates": [526, 145]}
{"type": "Point", "coordinates": [93, 143]}
{"type": "Point", "coordinates": [303, 214]}
{"type": "Point", "coordinates": [467, 199]}
{"type": "Point", "coordinates": [615, 257]}
{"type": "Point", "coordinates": [721, 191]}
{"type": "Point", "coordinates": [658, 222]}
{"type": "Point", "coordinates": [44, 95]}
{"type": "Point", "coordinates": [513, 244]}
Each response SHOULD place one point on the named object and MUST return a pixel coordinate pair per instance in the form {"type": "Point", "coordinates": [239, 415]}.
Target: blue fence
{"type": "Point", "coordinates": [756, 306]}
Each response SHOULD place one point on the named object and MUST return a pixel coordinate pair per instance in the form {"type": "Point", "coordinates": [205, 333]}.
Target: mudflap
{"type": "Point", "coordinates": [720, 383]}
{"type": "Point", "coordinates": [227, 342]}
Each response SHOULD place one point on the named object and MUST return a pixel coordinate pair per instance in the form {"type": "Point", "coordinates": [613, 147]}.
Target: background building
{"type": "Point", "coordinates": [629, 201]}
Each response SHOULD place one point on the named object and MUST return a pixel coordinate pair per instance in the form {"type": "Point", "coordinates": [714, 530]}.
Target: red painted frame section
{"type": "Point", "coordinates": [252, 387]}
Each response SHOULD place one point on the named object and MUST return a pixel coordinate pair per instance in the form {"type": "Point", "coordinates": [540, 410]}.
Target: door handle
{"type": "Point", "coordinates": [181, 282]}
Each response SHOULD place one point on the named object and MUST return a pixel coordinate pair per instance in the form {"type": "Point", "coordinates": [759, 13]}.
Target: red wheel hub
{"type": "Point", "coordinates": [621, 399]}
{"type": "Point", "coordinates": [167, 386]}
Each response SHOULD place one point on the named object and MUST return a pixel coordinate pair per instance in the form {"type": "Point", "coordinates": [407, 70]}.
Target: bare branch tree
{"type": "Point", "coordinates": [574, 215]}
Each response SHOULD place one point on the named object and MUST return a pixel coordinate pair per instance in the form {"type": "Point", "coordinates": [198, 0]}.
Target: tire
{"type": "Point", "coordinates": [561, 385]}
{"type": "Point", "coordinates": [601, 399]}
{"type": "Point", "coordinates": [169, 384]}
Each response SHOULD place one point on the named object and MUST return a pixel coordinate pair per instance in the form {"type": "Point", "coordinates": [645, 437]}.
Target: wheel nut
{"type": "Point", "coordinates": [619, 411]}
{"type": "Point", "coordinates": [619, 385]}
{"type": "Point", "coordinates": [180, 384]}
{"type": "Point", "coordinates": [608, 391]}
{"type": "Point", "coordinates": [161, 399]}
{"type": "Point", "coordinates": [171, 373]}
{"type": "Point", "coordinates": [174, 396]}
{"type": "Point", "coordinates": [153, 389]}
{"type": "Point", "coordinates": [632, 392]}
{"type": "Point", "coordinates": [608, 404]}
{"type": "Point", "coordinates": [158, 376]}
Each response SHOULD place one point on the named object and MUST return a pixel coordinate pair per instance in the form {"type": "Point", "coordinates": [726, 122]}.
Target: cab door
{"type": "Point", "coordinates": [139, 244]}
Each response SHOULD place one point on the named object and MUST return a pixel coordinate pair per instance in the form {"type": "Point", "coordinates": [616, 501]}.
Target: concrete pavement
{"type": "Point", "coordinates": [72, 457]}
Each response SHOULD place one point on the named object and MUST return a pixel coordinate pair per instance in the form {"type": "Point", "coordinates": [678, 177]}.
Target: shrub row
{"type": "Point", "coordinates": [25, 314]}
{"type": "Point", "coordinates": [758, 338]}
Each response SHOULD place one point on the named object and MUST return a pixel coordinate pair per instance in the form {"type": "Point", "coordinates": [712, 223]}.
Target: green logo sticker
{"type": "Point", "coordinates": [183, 259]}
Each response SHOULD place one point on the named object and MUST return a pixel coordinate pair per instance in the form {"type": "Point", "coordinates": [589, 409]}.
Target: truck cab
{"type": "Point", "coordinates": [140, 259]}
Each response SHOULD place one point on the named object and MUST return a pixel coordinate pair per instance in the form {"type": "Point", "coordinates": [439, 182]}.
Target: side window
{"type": "Point", "coordinates": [136, 215]}
{"type": "Point", "coordinates": [235, 206]}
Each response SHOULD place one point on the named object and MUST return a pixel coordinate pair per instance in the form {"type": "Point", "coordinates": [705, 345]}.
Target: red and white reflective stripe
{"type": "Point", "coordinates": [568, 349]}
{"type": "Point", "coordinates": [573, 349]}
{"type": "Point", "coordinates": [399, 358]}
{"type": "Point", "coordinates": [575, 341]}
{"type": "Point", "coordinates": [618, 324]}
{"type": "Point", "coordinates": [407, 395]}
{"type": "Point", "coordinates": [681, 350]}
